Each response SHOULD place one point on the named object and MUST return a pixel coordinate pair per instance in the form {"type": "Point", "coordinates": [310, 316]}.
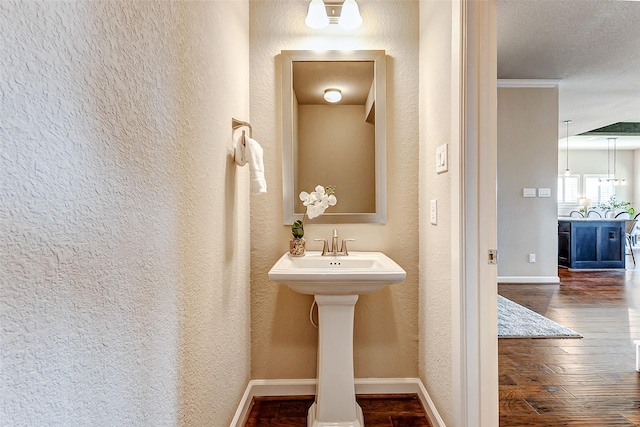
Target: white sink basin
{"type": "Point", "coordinates": [336, 281]}
{"type": "Point", "coordinates": [355, 274]}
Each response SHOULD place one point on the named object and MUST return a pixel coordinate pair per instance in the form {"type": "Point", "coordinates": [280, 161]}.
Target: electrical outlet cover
{"type": "Point", "coordinates": [434, 212]}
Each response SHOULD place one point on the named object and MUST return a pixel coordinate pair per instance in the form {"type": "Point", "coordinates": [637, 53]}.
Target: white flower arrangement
{"type": "Point", "coordinates": [316, 202]}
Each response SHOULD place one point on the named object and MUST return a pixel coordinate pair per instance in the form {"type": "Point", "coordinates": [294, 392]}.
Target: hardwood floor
{"type": "Point", "coordinates": [401, 410]}
{"type": "Point", "coordinates": [575, 382]}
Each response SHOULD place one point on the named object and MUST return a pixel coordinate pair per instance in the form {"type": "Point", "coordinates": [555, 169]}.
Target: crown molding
{"type": "Point", "coordinates": [533, 83]}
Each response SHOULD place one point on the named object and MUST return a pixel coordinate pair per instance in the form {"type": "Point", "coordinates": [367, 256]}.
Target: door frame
{"type": "Point", "coordinates": [473, 198]}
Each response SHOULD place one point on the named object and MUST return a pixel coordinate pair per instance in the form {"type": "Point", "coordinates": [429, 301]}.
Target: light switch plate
{"type": "Point", "coordinates": [529, 192]}
{"type": "Point", "coordinates": [544, 192]}
{"type": "Point", "coordinates": [433, 214]}
{"type": "Point", "coordinates": [442, 162]}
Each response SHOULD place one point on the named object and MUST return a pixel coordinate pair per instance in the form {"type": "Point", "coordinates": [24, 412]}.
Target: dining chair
{"type": "Point", "coordinates": [630, 225]}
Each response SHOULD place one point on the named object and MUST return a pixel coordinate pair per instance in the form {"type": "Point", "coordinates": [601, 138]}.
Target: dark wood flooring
{"type": "Point", "coordinates": [575, 382]}
{"type": "Point", "coordinates": [398, 410]}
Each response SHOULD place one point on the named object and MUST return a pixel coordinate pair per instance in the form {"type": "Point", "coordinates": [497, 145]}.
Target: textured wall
{"type": "Point", "coordinates": [124, 296]}
{"type": "Point", "coordinates": [386, 324]}
{"type": "Point", "coordinates": [527, 157]}
{"type": "Point", "coordinates": [435, 240]}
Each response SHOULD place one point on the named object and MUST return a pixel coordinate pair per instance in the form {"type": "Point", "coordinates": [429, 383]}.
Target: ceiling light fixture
{"type": "Point", "coordinates": [350, 17]}
{"type": "Point", "coordinates": [332, 95]}
{"type": "Point", "coordinates": [567, 172]}
{"type": "Point", "coordinates": [317, 15]}
{"type": "Point", "coordinates": [612, 178]}
{"type": "Point", "coordinates": [346, 15]}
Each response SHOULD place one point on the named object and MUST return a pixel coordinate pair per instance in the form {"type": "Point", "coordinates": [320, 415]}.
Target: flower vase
{"type": "Point", "coordinates": [297, 246]}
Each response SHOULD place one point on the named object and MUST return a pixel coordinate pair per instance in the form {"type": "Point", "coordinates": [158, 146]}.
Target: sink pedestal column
{"type": "Point", "coordinates": [335, 403]}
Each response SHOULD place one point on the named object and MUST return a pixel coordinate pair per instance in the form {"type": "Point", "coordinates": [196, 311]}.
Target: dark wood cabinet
{"type": "Point", "coordinates": [591, 243]}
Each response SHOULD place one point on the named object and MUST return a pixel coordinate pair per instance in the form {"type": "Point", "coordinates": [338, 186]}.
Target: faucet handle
{"type": "Point", "coordinates": [343, 249]}
{"type": "Point", "coordinates": [325, 245]}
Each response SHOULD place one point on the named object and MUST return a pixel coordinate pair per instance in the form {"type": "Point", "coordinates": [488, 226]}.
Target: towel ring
{"type": "Point", "coordinates": [236, 124]}
{"type": "Point", "coordinates": [239, 152]}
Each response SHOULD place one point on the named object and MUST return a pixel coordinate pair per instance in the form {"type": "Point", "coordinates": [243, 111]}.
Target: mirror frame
{"type": "Point", "coordinates": [379, 59]}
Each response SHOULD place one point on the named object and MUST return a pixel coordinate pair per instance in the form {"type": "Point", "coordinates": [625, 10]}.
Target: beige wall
{"type": "Point", "coordinates": [386, 324]}
{"type": "Point", "coordinates": [527, 157]}
{"type": "Point", "coordinates": [435, 325]}
{"type": "Point", "coordinates": [125, 288]}
{"type": "Point", "coordinates": [349, 136]}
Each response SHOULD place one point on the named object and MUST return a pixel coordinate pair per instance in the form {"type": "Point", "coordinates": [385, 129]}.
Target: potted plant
{"type": "Point", "coordinates": [613, 204]}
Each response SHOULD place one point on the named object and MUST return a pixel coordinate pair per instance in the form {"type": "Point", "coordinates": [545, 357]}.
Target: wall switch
{"type": "Point", "coordinates": [544, 192]}
{"type": "Point", "coordinates": [532, 258]}
{"type": "Point", "coordinates": [529, 192]}
{"type": "Point", "coordinates": [433, 212]}
{"type": "Point", "coordinates": [442, 153]}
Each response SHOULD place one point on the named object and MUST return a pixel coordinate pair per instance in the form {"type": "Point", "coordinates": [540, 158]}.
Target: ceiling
{"type": "Point", "coordinates": [353, 78]}
{"type": "Point", "coordinates": [591, 46]}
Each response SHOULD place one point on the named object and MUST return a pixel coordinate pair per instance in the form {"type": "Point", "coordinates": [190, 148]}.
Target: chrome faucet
{"type": "Point", "coordinates": [333, 250]}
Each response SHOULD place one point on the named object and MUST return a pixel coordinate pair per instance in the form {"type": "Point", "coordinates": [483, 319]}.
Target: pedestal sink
{"type": "Point", "coordinates": [336, 282]}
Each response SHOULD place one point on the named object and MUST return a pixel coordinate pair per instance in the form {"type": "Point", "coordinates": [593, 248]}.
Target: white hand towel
{"type": "Point", "coordinates": [254, 154]}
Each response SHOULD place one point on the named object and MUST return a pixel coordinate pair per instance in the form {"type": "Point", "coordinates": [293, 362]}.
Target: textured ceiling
{"type": "Point", "coordinates": [593, 46]}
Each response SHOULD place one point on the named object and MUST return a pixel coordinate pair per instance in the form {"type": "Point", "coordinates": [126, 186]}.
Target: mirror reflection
{"type": "Point", "coordinates": [334, 132]}
{"type": "Point", "coordinates": [342, 127]}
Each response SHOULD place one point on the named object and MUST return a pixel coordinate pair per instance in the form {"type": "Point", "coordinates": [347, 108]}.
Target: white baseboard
{"type": "Point", "coordinates": [528, 279]}
{"type": "Point", "coordinates": [303, 387]}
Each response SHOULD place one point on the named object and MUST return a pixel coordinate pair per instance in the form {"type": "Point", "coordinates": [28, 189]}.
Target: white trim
{"type": "Point", "coordinates": [244, 408]}
{"type": "Point", "coordinates": [303, 387]}
{"type": "Point", "coordinates": [528, 279]}
{"type": "Point", "coordinates": [530, 83]}
{"type": "Point", "coordinates": [434, 417]}
{"type": "Point", "coordinates": [458, 351]}
{"type": "Point", "coordinates": [473, 215]}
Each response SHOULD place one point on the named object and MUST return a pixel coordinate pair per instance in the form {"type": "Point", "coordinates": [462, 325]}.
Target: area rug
{"type": "Point", "coordinates": [516, 321]}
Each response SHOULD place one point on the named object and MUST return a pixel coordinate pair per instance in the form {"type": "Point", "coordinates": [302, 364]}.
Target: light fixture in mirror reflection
{"type": "Point", "coordinates": [342, 143]}
{"type": "Point", "coordinates": [333, 95]}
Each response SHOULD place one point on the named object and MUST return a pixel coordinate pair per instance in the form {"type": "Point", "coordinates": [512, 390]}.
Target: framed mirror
{"type": "Point", "coordinates": [335, 143]}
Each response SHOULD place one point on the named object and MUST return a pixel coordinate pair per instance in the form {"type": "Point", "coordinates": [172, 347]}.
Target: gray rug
{"type": "Point", "coordinates": [516, 321]}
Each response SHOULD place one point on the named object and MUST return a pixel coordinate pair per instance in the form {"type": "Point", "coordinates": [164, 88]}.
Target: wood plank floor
{"type": "Point", "coordinates": [401, 410]}
{"type": "Point", "coordinates": [575, 382]}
